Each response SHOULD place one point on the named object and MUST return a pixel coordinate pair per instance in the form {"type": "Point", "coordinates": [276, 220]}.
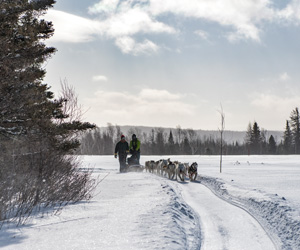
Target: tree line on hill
{"type": "Point", "coordinates": [188, 142]}
{"type": "Point", "coordinates": [38, 133]}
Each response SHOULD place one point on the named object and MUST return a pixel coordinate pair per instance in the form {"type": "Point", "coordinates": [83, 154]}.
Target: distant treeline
{"type": "Point", "coordinates": [188, 142]}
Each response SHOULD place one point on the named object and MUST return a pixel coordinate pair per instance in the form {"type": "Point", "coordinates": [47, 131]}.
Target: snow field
{"type": "Point", "coordinates": [128, 211]}
{"type": "Point", "coordinates": [145, 211]}
{"type": "Point", "coordinates": [267, 187]}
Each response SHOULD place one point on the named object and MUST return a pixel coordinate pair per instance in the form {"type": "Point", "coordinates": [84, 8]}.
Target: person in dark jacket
{"type": "Point", "coordinates": [135, 149]}
{"type": "Point", "coordinates": [122, 149]}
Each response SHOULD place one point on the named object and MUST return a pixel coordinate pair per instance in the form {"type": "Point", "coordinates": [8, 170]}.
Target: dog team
{"type": "Point", "coordinates": [172, 169]}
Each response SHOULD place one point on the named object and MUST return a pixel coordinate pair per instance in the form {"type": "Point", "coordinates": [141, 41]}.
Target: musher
{"type": "Point", "coordinates": [122, 149]}
{"type": "Point", "coordinates": [134, 148]}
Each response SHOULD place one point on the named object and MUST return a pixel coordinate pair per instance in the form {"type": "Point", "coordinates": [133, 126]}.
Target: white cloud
{"type": "Point", "coordinates": [202, 34]}
{"type": "Point", "coordinates": [129, 46]}
{"type": "Point", "coordinates": [149, 106]}
{"type": "Point", "coordinates": [71, 28]}
{"type": "Point", "coordinates": [158, 95]}
{"type": "Point", "coordinates": [244, 32]}
{"type": "Point", "coordinates": [105, 6]}
{"type": "Point", "coordinates": [275, 103]}
{"type": "Point", "coordinates": [284, 77]}
{"type": "Point", "coordinates": [120, 26]}
{"type": "Point", "coordinates": [127, 18]}
{"type": "Point", "coordinates": [271, 111]}
{"type": "Point", "coordinates": [123, 20]}
{"type": "Point", "coordinates": [291, 12]}
{"type": "Point", "coordinates": [99, 78]}
{"type": "Point", "coordinates": [243, 16]}
{"type": "Point", "coordinates": [132, 22]}
{"type": "Point", "coordinates": [130, 17]}
{"type": "Point", "coordinates": [133, 16]}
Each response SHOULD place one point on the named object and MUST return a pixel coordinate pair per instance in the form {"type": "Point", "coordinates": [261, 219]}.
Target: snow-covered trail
{"type": "Point", "coordinates": [145, 211]}
{"type": "Point", "coordinates": [223, 225]}
{"type": "Point", "coordinates": [131, 211]}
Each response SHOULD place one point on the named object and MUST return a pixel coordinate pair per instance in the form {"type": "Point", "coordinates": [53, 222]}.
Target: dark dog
{"type": "Point", "coordinates": [193, 171]}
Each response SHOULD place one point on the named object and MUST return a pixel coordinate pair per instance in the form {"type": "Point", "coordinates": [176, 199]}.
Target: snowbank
{"type": "Point", "coordinates": [145, 211]}
{"type": "Point", "coordinates": [278, 219]}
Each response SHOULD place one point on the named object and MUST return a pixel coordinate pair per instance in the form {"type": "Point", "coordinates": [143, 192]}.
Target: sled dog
{"type": "Point", "coordinates": [153, 166]}
{"type": "Point", "coordinates": [171, 170]}
{"type": "Point", "coordinates": [193, 171]}
{"type": "Point", "coordinates": [147, 166]}
{"type": "Point", "coordinates": [161, 166]}
{"type": "Point", "coordinates": [180, 171]}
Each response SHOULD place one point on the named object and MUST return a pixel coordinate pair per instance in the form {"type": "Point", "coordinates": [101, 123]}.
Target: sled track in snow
{"type": "Point", "coordinates": [94, 170]}
{"type": "Point", "coordinates": [283, 230]}
{"type": "Point", "coordinates": [276, 242]}
{"type": "Point", "coordinates": [180, 217]}
{"type": "Point", "coordinates": [273, 216]}
{"type": "Point", "coordinates": [274, 239]}
{"type": "Point", "coordinates": [182, 214]}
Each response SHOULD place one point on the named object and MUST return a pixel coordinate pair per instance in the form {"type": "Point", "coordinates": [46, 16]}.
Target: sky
{"type": "Point", "coordinates": [179, 62]}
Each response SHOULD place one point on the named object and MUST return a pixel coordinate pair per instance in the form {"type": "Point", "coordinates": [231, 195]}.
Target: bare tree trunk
{"type": "Point", "coordinates": [221, 133]}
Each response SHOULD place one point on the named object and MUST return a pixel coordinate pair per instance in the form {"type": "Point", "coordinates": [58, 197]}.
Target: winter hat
{"type": "Point", "coordinates": [122, 136]}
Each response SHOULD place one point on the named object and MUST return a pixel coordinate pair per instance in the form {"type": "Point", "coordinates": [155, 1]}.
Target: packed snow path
{"type": "Point", "coordinates": [129, 211]}
{"type": "Point", "coordinates": [142, 211]}
{"type": "Point", "coordinates": [223, 225]}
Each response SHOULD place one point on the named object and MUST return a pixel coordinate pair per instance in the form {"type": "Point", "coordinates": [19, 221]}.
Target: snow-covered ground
{"type": "Point", "coordinates": [253, 204]}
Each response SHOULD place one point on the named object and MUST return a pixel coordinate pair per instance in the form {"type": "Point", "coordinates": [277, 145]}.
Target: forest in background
{"type": "Point", "coordinates": [178, 141]}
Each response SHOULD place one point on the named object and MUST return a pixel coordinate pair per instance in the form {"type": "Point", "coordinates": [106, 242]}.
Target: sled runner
{"type": "Point", "coordinates": [133, 164]}
{"type": "Point", "coordinates": [135, 168]}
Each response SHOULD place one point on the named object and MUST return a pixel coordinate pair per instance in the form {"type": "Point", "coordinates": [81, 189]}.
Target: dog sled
{"type": "Point", "coordinates": [133, 164]}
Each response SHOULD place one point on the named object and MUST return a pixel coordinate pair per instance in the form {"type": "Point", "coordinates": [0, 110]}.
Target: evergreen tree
{"type": "Point", "coordinates": [35, 128]}
{"type": "Point", "coordinates": [272, 145]}
{"type": "Point", "coordinates": [171, 144]}
{"type": "Point", "coordinates": [22, 55]}
{"type": "Point", "coordinates": [193, 140]}
{"type": "Point", "coordinates": [152, 142]}
{"type": "Point", "coordinates": [180, 135]}
{"type": "Point", "coordinates": [255, 139]}
{"type": "Point", "coordinates": [160, 142]}
{"type": "Point", "coordinates": [264, 142]}
{"type": "Point", "coordinates": [108, 143]}
{"type": "Point", "coordinates": [287, 139]}
{"type": "Point", "coordinates": [247, 139]}
{"type": "Point", "coordinates": [118, 133]}
{"type": "Point", "coordinates": [295, 125]}
{"type": "Point", "coordinates": [98, 143]}
{"type": "Point", "coordinates": [186, 146]}
{"type": "Point", "coordinates": [87, 143]}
